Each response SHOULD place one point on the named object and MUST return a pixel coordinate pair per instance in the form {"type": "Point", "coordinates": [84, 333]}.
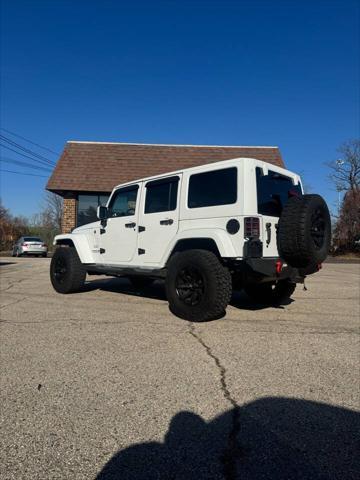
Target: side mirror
{"type": "Point", "coordinates": [102, 212]}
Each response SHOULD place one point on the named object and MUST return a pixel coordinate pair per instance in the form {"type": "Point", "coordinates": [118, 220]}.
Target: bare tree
{"type": "Point", "coordinates": [345, 171]}
{"type": "Point", "coordinates": [11, 227]}
{"type": "Point", "coordinates": [52, 210]}
{"type": "Point", "coordinates": [345, 175]}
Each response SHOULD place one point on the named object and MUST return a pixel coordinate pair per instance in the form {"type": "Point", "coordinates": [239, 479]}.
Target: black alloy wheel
{"type": "Point", "coordinates": [60, 269]}
{"type": "Point", "coordinates": [190, 286]}
{"type": "Point", "coordinates": [317, 229]}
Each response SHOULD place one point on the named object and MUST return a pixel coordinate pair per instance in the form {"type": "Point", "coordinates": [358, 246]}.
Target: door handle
{"type": "Point", "coordinates": [168, 221]}
{"type": "Point", "coordinates": [130, 225]}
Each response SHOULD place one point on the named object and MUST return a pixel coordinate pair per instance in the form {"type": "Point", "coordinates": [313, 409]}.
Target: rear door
{"type": "Point", "coordinates": [118, 237]}
{"type": "Point", "coordinates": [158, 218]}
{"type": "Point", "coordinates": [273, 191]}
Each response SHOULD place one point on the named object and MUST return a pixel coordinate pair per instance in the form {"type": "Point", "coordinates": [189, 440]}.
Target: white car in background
{"type": "Point", "coordinates": [30, 246]}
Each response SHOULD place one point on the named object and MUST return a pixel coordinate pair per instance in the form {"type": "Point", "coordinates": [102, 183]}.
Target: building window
{"type": "Point", "coordinates": [273, 191]}
{"type": "Point", "coordinates": [218, 187]}
{"type": "Point", "coordinates": [87, 207]}
{"type": "Point", "coordinates": [161, 195]}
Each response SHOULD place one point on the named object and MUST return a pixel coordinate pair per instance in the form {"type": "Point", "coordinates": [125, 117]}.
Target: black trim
{"type": "Point", "coordinates": [127, 189]}
{"type": "Point", "coordinates": [233, 226]}
{"type": "Point", "coordinates": [115, 270]}
{"type": "Point", "coordinates": [253, 248]}
{"type": "Point", "coordinates": [161, 181]}
{"type": "Point", "coordinates": [259, 270]}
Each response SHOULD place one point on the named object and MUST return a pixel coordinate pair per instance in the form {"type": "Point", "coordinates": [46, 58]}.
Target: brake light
{"type": "Point", "coordinates": [278, 266]}
{"type": "Point", "coordinates": [44, 245]}
{"type": "Point", "coordinates": [251, 227]}
{"type": "Point", "coordinates": [24, 244]}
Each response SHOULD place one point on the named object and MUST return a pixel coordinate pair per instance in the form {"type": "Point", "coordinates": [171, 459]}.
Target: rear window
{"type": "Point", "coordinates": [273, 191]}
{"type": "Point", "coordinates": [32, 239]}
{"type": "Point", "coordinates": [208, 189]}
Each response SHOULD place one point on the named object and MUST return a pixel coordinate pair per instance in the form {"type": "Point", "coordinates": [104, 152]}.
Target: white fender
{"type": "Point", "coordinates": [80, 243]}
{"type": "Point", "coordinates": [218, 235]}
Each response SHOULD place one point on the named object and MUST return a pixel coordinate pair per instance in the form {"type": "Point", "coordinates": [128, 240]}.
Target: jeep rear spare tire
{"type": "Point", "coordinates": [67, 273]}
{"type": "Point", "coordinates": [304, 232]}
{"type": "Point", "coordinates": [198, 286]}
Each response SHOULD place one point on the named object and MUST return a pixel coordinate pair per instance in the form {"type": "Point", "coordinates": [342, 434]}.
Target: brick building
{"type": "Point", "coordinates": [87, 172]}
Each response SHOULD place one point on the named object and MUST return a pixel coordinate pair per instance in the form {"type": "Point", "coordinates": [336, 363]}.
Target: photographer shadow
{"type": "Point", "coordinates": [270, 438]}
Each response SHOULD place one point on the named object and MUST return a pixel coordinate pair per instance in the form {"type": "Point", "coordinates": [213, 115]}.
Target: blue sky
{"type": "Point", "coordinates": [195, 72]}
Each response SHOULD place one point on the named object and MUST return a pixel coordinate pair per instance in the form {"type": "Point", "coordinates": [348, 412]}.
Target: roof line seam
{"type": "Point", "coordinates": [172, 145]}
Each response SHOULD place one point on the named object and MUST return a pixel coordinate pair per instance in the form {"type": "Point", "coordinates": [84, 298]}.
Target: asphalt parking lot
{"type": "Point", "coordinates": [107, 384]}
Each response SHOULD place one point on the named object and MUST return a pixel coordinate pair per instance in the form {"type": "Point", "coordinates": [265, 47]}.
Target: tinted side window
{"type": "Point", "coordinates": [273, 191]}
{"type": "Point", "coordinates": [161, 195]}
{"type": "Point", "coordinates": [123, 202]}
{"type": "Point", "coordinates": [218, 187]}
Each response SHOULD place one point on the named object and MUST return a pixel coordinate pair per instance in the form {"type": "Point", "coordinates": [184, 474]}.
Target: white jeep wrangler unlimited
{"type": "Point", "coordinates": [207, 230]}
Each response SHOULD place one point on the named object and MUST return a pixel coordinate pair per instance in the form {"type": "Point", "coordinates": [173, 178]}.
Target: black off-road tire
{"type": "Point", "coordinates": [271, 293]}
{"type": "Point", "coordinates": [213, 279]}
{"type": "Point", "coordinates": [139, 282]}
{"type": "Point", "coordinates": [304, 232]}
{"type": "Point", "coordinates": [67, 273]}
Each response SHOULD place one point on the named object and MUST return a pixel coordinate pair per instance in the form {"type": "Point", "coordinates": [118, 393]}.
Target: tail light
{"type": "Point", "coordinates": [24, 244]}
{"type": "Point", "coordinates": [278, 266]}
{"type": "Point", "coordinates": [44, 245]}
{"type": "Point", "coordinates": [251, 227]}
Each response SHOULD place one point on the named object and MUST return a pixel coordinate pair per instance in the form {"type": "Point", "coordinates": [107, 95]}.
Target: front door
{"type": "Point", "coordinates": [118, 236]}
{"type": "Point", "coordinates": [159, 217]}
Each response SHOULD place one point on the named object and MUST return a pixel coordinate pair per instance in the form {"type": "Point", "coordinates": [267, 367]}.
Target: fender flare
{"type": "Point", "coordinates": [218, 236]}
{"type": "Point", "coordinates": [80, 243]}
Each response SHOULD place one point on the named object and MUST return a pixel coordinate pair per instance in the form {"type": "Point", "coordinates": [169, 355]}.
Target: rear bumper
{"type": "Point", "coordinates": [33, 251]}
{"type": "Point", "coordinates": [270, 269]}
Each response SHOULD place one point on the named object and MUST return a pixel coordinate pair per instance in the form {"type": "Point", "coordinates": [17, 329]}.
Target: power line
{"type": "Point", "coordinates": [27, 156]}
{"type": "Point", "coordinates": [20, 173]}
{"type": "Point", "coordinates": [26, 150]}
{"type": "Point", "coordinates": [24, 164]}
{"type": "Point", "coordinates": [27, 140]}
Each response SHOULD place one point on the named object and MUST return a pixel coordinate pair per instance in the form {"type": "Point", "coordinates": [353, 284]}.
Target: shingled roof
{"type": "Point", "coordinates": [98, 166]}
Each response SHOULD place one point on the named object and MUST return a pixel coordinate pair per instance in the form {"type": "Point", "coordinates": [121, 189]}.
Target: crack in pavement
{"type": "Point", "coordinates": [12, 284]}
{"type": "Point", "coordinates": [232, 450]}
{"type": "Point", "coordinates": [13, 303]}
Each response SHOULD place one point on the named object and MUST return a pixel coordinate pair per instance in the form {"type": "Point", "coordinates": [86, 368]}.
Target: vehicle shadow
{"type": "Point", "coordinates": [2, 264]}
{"type": "Point", "coordinates": [157, 291]}
{"type": "Point", "coordinates": [124, 286]}
{"type": "Point", "coordinates": [271, 438]}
